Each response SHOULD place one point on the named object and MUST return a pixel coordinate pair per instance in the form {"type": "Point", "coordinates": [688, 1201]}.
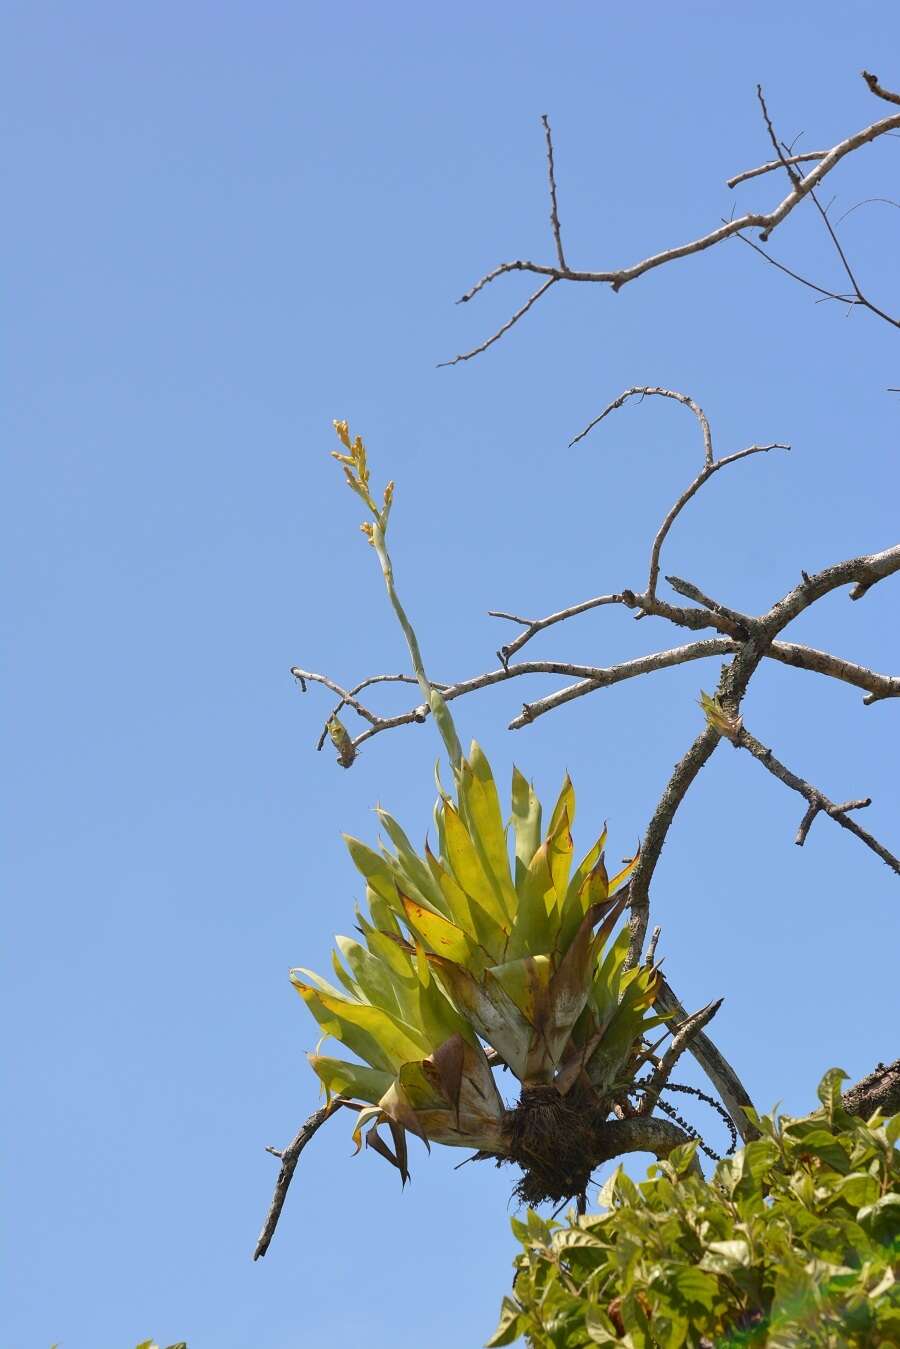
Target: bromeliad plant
{"type": "Point", "coordinates": [471, 961]}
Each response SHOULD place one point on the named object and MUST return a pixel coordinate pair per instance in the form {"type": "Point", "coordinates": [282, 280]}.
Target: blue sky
{"type": "Point", "coordinates": [229, 224]}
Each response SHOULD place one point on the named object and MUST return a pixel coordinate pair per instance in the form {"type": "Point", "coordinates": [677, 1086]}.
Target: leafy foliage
{"type": "Point", "coordinates": [795, 1240]}
{"type": "Point", "coordinates": [467, 948]}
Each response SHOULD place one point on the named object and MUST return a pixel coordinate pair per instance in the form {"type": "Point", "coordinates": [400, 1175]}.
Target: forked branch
{"type": "Point", "coordinates": [801, 187]}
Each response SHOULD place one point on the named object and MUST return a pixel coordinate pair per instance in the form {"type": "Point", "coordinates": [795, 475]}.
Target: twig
{"type": "Point", "coordinates": [887, 94]}
{"type": "Point", "coordinates": [713, 1062]}
{"type": "Point", "coordinates": [647, 391]}
{"type": "Point", "coordinates": [740, 622]}
{"type": "Point", "coordinates": [711, 465]}
{"type": "Point", "coordinates": [869, 201]}
{"type": "Point", "coordinates": [554, 212]}
{"type": "Point", "coordinates": [689, 1028]}
{"type": "Point", "coordinates": [821, 290]}
{"type": "Point", "coordinates": [817, 805]}
{"type": "Point", "coordinates": [705, 473]}
{"type": "Point", "coordinates": [774, 164]}
{"type": "Point", "coordinates": [520, 313]}
{"type": "Point", "coordinates": [533, 626]}
{"type": "Point", "coordinates": [302, 676]}
{"type": "Point", "coordinates": [783, 159]}
{"type": "Point", "coordinates": [347, 699]}
{"type": "Point", "coordinates": [289, 1158]}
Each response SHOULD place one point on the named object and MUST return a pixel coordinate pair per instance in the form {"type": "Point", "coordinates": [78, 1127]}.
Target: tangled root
{"type": "Point", "coordinates": [552, 1140]}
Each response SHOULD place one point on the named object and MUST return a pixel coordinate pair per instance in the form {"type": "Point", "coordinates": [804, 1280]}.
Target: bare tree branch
{"type": "Point", "coordinates": [640, 1133]}
{"type": "Point", "coordinates": [856, 297]}
{"type": "Point", "coordinates": [818, 801]}
{"type": "Point", "coordinates": [592, 678]}
{"type": "Point", "coordinates": [878, 1090]}
{"type": "Point", "coordinates": [878, 686]}
{"type": "Point", "coordinates": [615, 674]}
{"type": "Point", "coordinates": [676, 788]}
{"type": "Point", "coordinates": [764, 222]}
{"type": "Point", "coordinates": [289, 1158]}
{"type": "Point", "coordinates": [862, 572]}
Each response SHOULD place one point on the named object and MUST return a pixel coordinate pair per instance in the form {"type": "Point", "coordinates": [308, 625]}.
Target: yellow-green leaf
{"type": "Point", "coordinates": [374, 867]}
{"type": "Point", "coordinates": [565, 805]}
{"type": "Point", "coordinates": [526, 817]}
{"type": "Point", "coordinates": [356, 1081]}
{"type": "Point", "coordinates": [382, 1040]}
{"type": "Point", "coordinates": [439, 934]}
{"type": "Point", "coordinates": [478, 793]}
{"type": "Point", "coordinates": [468, 869]}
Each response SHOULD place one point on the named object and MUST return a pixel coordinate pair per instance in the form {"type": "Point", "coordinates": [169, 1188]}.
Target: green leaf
{"type": "Point", "coordinates": [681, 1158]}
{"type": "Point", "coordinates": [510, 1328]}
{"type": "Point", "coordinates": [829, 1091]}
{"type": "Point", "coordinates": [820, 1143]}
{"type": "Point", "coordinates": [599, 1327]}
{"type": "Point", "coordinates": [757, 1158]}
{"type": "Point", "coordinates": [856, 1189]}
{"type": "Point", "coordinates": [695, 1286]}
